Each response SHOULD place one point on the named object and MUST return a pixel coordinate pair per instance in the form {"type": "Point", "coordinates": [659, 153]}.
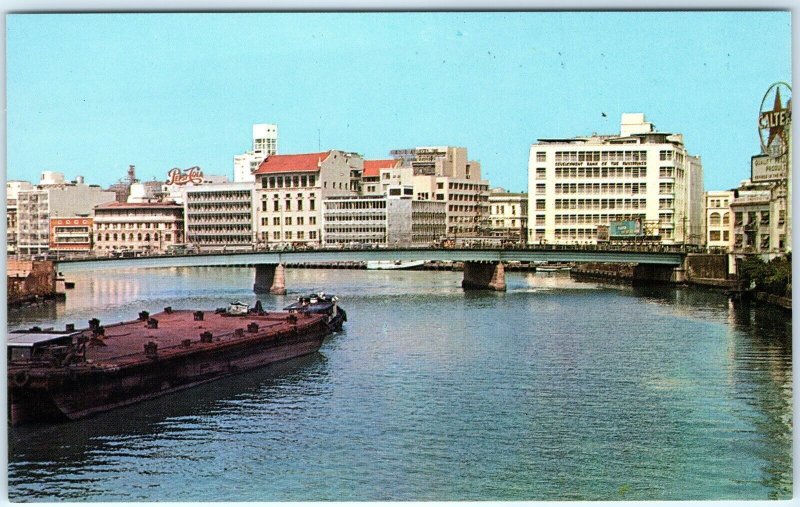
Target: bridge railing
{"type": "Point", "coordinates": [617, 248]}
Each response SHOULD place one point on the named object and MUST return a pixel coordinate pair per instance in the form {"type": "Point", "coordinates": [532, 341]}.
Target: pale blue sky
{"type": "Point", "coordinates": [89, 94]}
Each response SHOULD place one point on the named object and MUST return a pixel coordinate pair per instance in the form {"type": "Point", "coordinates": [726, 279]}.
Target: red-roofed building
{"type": "Point", "coordinates": [147, 227]}
{"type": "Point", "coordinates": [290, 190]}
{"type": "Point", "coordinates": [371, 179]}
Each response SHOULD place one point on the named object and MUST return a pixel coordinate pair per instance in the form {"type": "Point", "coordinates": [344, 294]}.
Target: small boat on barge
{"type": "Point", "coordinates": [70, 374]}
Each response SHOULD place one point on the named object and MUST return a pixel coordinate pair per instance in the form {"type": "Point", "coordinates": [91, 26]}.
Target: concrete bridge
{"type": "Point", "coordinates": [483, 267]}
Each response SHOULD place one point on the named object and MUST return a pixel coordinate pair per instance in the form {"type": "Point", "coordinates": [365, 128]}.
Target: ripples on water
{"type": "Point", "coordinates": [554, 390]}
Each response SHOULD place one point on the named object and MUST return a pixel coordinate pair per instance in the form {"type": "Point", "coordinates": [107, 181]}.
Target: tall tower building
{"type": "Point", "coordinates": [265, 143]}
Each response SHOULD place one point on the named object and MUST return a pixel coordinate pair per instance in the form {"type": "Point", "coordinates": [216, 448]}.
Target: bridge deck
{"type": "Point", "coordinates": [673, 258]}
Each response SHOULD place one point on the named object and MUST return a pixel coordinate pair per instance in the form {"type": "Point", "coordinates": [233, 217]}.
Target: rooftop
{"type": "Point", "coordinates": [292, 163]}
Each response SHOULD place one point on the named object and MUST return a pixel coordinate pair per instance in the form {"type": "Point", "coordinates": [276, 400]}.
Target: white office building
{"type": "Point", "coordinates": [719, 223]}
{"type": "Point", "coordinates": [265, 143]}
{"type": "Point", "coordinates": [577, 184]}
{"type": "Point", "coordinates": [220, 216]}
{"type": "Point", "coordinates": [393, 220]}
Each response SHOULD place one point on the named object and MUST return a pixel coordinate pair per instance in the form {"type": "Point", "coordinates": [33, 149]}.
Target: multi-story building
{"type": "Point", "coordinates": [146, 227]}
{"type": "Point", "coordinates": [290, 190]}
{"type": "Point", "coordinates": [53, 198]}
{"type": "Point", "coordinates": [12, 193]}
{"type": "Point", "coordinates": [265, 143]}
{"type": "Point", "coordinates": [393, 220]}
{"type": "Point", "coordinates": [508, 215]}
{"type": "Point", "coordinates": [718, 220]}
{"type": "Point", "coordinates": [444, 173]}
{"type": "Point", "coordinates": [220, 217]}
{"type": "Point", "coordinates": [577, 184]}
{"type": "Point", "coordinates": [371, 178]}
{"type": "Point", "coordinates": [760, 220]}
{"type": "Point", "coordinates": [178, 180]}
{"type": "Point", "coordinates": [71, 234]}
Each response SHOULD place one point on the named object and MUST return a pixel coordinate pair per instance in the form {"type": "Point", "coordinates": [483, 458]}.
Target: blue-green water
{"type": "Point", "coordinates": [554, 390]}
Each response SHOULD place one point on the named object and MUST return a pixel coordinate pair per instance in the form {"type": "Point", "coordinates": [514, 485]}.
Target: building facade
{"type": "Point", "coordinates": [71, 234]}
{"type": "Point", "coordinates": [508, 215]}
{"type": "Point", "coordinates": [148, 228]}
{"type": "Point", "coordinates": [719, 223]}
{"type": "Point", "coordinates": [12, 194]}
{"type": "Point", "coordinates": [265, 143]}
{"type": "Point", "coordinates": [760, 220]}
{"type": "Point", "coordinates": [53, 198]}
{"type": "Point", "coordinates": [444, 173]}
{"type": "Point", "coordinates": [220, 217]}
{"type": "Point", "coordinates": [577, 184]}
{"type": "Point", "coordinates": [394, 220]}
{"type": "Point", "coordinates": [290, 190]}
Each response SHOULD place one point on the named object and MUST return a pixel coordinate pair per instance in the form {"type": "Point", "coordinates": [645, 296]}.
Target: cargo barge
{"type": "Point", "coordinates": [71, 374]}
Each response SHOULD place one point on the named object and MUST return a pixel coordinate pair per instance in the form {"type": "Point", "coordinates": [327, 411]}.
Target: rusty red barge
{"type": "Point", "coordinates": [70, 374]}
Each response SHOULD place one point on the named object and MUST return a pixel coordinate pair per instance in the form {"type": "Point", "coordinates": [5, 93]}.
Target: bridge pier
{"type": "Point", "coordinates": [484, 276]}
{"type": "Point", "coordinates": [270, 278]}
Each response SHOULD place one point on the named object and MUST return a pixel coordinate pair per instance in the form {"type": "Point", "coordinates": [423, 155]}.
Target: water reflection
{"type": "Point", "coordinates": [554, 390]}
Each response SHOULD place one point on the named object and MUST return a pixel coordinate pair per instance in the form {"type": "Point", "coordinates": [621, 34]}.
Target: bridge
{"type": "Point", "coordinates": [483, 267]}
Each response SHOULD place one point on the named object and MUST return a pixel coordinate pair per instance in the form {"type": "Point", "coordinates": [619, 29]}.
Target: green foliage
{"type": "Point", "coordinates": [773, 277]}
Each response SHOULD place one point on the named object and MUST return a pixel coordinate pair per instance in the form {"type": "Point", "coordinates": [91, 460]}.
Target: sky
{"type": "Point", "coordinates": [89, 94]}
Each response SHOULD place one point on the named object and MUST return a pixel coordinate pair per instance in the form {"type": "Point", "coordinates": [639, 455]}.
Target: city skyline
{"type": "Point", "coordinates": [178, 90]}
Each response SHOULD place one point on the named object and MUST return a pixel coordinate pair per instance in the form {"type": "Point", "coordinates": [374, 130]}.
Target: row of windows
{"type": "Point", "coordinates": [599, 204]}
{"type": "Point", "coordinates": [601, 156]}
{"type": "Point", "coordinates": [597, 218]}
{"type": "Point", "coordinates": [194, 208]}
{"type": "Point", "coordinates": [276, 221]}
{"type": "Point", "coordinates": [716, 219]}
{"type": "Point", "coordinates": [290, 235]}
{"type": "Point", "coordinates": [130, 225]}
{"type": "Point", "coordinates": [716, 236]}
{"type": "Point", "coordinates": [276, 205]}
{"type": "Point", "coordinates": [595, 172]}
{"type": "Point", "coordinates": [132, 237]}
{"type": "Point", "coordinates": [351, 205]}
{"type": "Point", "coordinates": [288, 181]}
{"type": "Point", "coordinates": [598, 188]}
{"type": "Point", "coordinates": [353, 229]}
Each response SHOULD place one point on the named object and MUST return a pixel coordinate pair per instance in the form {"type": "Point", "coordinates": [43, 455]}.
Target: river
{"type": "Point", "coordinates": [554, 390]}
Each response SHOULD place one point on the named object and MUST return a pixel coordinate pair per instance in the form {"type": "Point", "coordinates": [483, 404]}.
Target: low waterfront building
{"type": "Point", "coordinates": [265, 143]}
{"type": "Point", "coordinates": [220, 217]}
{"type": "Point", "coordinates": [718, 220]}
{"type": "Point", "coordinates": [290, 190]}
{"type": "Point", "coordinates": [577, 184]}
{"type": "Point", "coordinates": [53, 197]}
{"type": "Point", "coordinates": [393, 220]}
{"type": "Point", "coordinates": [508, 215]}
{"type": "Point", "coordinates": [71, 234]}
{"type": "Point", "coordinates": [760, 220]}
{"type": "Point", "coordinates": [146, 227]}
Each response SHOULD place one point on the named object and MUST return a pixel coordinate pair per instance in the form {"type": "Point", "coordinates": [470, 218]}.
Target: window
{"type": "Point", "coordinates": [275, 205]}
{"type": "Point", "coordinates": [300, 221]}
{"type": "Point", "coordinates": [299, 204]}
{"type": "Point", "coordinates": [288, 221]}
{"type": "Point", "coordinates": [312, 220]}
{"type": "Point", "coordinates": [540, 172]}
{"type": "Point", "coordinates": [312, 235]}
{"type": "Point", "coordinates": [714, 219]}
{"type": "Point", "coordinates": [541, 156]}
{"type": "Point", "coordinates": [725, 236]}
{"type": "Point", "coordinates": [713, 236]}
{"type": "Point", "coordinates": [263, 205]}
{"type": "Point", "coordinates": [725, 219]}
{"type": "Point", "coordinates": [311, 204]}
{"type": "Point", "coordinates": [276, 220]}
{"type": "Point", "coordinates": [540, 204]}
{"type": "Point", "coordinates": [288, 205]}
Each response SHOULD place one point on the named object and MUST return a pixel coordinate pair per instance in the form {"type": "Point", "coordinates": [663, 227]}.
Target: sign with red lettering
{"type": "Point", "coordinates": [177, 176]}
{"type": "Point", "coordinates": [775, 124]}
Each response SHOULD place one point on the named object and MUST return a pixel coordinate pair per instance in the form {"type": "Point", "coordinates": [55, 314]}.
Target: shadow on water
{"type": "Point", "coordinates": [35, 445]}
